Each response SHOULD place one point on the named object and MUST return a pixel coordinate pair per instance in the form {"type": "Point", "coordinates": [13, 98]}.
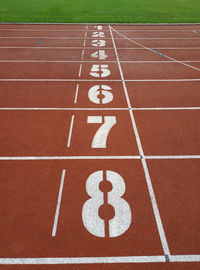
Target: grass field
{"type": "Point", "coordinates": [118, 11]}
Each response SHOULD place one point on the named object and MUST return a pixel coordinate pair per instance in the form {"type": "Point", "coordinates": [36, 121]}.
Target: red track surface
{"type": "Point", "coordinates": [99, 147]}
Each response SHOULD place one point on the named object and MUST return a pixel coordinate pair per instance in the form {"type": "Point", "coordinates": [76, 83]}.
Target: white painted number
{"type": "Point", "coordinates": [96, 90]}
{"type": "Point", "coordinates": [100, 71]}
{"type": "Point", "coordinates": [100, 138]}
{"type": "Point", "coordinates": [99, 55]}
{"type": "Point", "coordinates": [98, 34]}
{"type": "Point", "coordinates": [98, 43]}
{"type": "Point", "coordinates": [90, 212]}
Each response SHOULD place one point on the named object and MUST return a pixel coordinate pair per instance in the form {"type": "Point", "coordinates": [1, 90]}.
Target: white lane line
{"type": "Point", "coordinates": [70, 131]}
{"type": "Point", "coordinates": [96, 260]}
{"type": "Point", "coordinates": [82, 55]}
{"type": "Point", "coordinates": [174, 157]}
{"type": "Point", "coordinates": [149, 49]}
{"type": "Point", "coordinates": [97, 109]}
{"type": "Point", "coordinates": [164, 80]}
{"type": "Point", "coordinates": [80, 38]}
{"type": "Point", "coordinates": [59, 80]}
{"type": "Point", "coordinates": [64, 109]}
{"type": "Point", "coordinates": [83, 51]}
{"type": "Point", "coordinates": [66, 157]}
{"type": "Point", "coordinates": [184, 258]}
{"type": "Point", "coordinates": [98, 80]}
{"type": "Point", "coordinates": [76, 93]}
{"type": "Point", "coordinates": [82, 30]}
{"type": "Point", "coordinates": [80, 69]}
{"type": "Point", "coordinates": [146, 172]}
{"type": "Point", "coordinates": [90, 48]}
{"type": "Point", "coordinates": [18, 158]}
{"type": "Point", "coordinates": [84, 260]}
{"type": "Point", "coordinates": [166, 109]}
{"type": "Point", "coordinates": [153, 30]}
{"type": "Point", "coordinates": [93, 61]}
{"type": "Point", "coordinates": [55, 224]}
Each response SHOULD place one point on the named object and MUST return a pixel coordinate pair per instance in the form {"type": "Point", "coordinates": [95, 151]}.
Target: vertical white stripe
{"type": "Point", "coordinates": [80, 69]}
{"type": "Point", "coordinates": [76, 93]}
{"type": "Point", "coordinates": [146, 172]}
{"type": "Point", "coordinates": [58, 204]}
{"type": "Point", "coordinates": [70, 131]}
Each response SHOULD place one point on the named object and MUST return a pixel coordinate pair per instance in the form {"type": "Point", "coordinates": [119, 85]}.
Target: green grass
{"type": "Point", "coordinates": [113, 11]}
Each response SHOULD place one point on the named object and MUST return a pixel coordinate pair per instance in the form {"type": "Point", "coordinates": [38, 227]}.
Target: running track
{"type": "Point", "coordinates": [99, 147]}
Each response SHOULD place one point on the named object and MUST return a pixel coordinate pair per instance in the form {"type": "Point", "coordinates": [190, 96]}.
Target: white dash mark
{"type": "Point", "coordinates": [70, 131]}
{"type": "Point", "coordinates": [82, 55]}
{"type": "Point", "coordinates": [80, 69]}
{"type": "Point", "coordinates": [58, 204]}
{"type": "Point", "coordinates": [76, 93]}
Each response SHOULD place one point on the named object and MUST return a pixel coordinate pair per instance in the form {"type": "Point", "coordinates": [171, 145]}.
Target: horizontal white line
{"type": "Point", "coordinates": [95, 260]}
{"type": "Point", "coordinates": [21, 158]}
{"type": "Point", "coordinates": [92, 61]}
{"type": "Point", "coordinates": [54, 48]}
{"type": "Point", "coordinates": [81, 38]}
{"type": "Point", "coordinates": [102, 80]}
{"type": "Point", "coordinates": [63, 109]}
{"type": "Point", "coordinates": [68, 157]}
{"type": "Point", "coordinates": [92, 30]}
{"type": "Point", "coordinates": [159, 30]}
{"type": "Point", "coordinates": [93, 48]}
{"type": "Point", "coordinates": [57, 80]}
{"type": "Point", "coordinates": [184, 258]}
{"type": "Point", "coordinates": [94, 109]}
{"type": "Point", "coordinates": [162, 80]}
{"type": "Point", "coordinates": [174, 157]}
{"type": "Point", "coordinates": [83, 260]}
{"type": "Point", "coordinates": [166, 108]}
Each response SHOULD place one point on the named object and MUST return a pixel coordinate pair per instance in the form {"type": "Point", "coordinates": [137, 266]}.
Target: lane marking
{"type": "Point", "coordinates": [97, 109]}
{"type": "Point", "coordinates": [149, 49]}
{"type": "Point", "coordinates": [96, 260]}
{"type": "Point", "coordinates": [98, 80]}
{"type": "Point", "coordinates": [90, 48]}
{"type": "Point", "coordinates": [166, 108]}
{"type": "Point", "coordinates": [82, 30]}
{"type": "Point", "coordinates": [93, 61]}
{"type": "Point", "coordinates": [66, 109]}
{"type": "Point", "coordinates": [174, 157]}
{"type": "Point", "coordinates": [70, 131]}
{"type": "Point", "coordinates": [58, 204]}
{"type": "Point", "coordinates": [146, 172]}
{"type": "Point", "coordinates": [53, 37]}
{"type": "Point", "coordinates": [22, 158]}
{"type": "Point", "coordinates": [80, 69]}
{"type": "Point", "coordinates": [76, 93]}
{"type": "Point", "coordinates": [66, 157]}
